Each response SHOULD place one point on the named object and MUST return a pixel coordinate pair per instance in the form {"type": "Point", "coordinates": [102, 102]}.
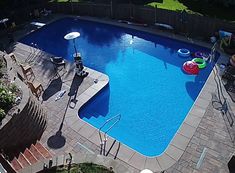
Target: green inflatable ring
{"type": "Point", "coordinates": [200, 62]}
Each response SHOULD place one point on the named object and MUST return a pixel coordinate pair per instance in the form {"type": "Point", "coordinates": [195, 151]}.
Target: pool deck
{"type": "Point", "coordinates": [203, 129]}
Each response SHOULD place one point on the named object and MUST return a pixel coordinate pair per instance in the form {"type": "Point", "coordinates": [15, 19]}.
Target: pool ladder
{"type": "Point", "coordinates": [103, 140]}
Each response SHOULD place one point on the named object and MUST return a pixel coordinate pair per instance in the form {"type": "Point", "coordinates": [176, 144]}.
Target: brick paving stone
{"type": "Point", "coordinates": [212, 134]}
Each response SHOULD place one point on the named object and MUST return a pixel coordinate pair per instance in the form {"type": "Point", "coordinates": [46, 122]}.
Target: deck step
{"type": "Point", "coordinates": [43, 150]}
{"type": "Point", "coordinates": [36, 153]}
{"type": "Point", "coordinates": [29, 156]}
{"type": "Point", "coordinates": [23, 161]}
{"type": "Point", "coordinates": [16, 164]}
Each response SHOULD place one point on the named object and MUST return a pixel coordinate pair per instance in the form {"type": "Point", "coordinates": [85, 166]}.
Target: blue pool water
{"type": "Point", "coordinates": [147, 85]}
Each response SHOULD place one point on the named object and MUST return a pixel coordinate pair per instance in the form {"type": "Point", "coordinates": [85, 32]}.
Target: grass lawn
{"type": "Point", "coordinates": [195, 7]}
{"type": "Point", "coordinates": [174, 5]}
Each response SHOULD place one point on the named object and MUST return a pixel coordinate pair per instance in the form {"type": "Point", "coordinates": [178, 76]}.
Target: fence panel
{"type": "Point", "coordinates": [189, 24]}
{"type": "Point", "coordinates": [102, 10]}
{"type": "Point", "coordinates": [123, 11]}
{"type": "Point", "coordinates": [143, 14]}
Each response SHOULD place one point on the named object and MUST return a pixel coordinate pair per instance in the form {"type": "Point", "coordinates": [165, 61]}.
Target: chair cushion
{"type": "Point", "coordinates": [57, 60]}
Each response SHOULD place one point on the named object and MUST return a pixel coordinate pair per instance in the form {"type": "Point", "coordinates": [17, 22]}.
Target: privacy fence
{"type": "Point", "coordinates": [190, 24]}
{"type": "Point", "coordinates": [193, 25]}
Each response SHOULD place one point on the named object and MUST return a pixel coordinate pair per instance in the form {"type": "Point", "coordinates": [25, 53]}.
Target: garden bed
{"type": "Point", "coordinates": [10, 93]}
{"type": "Point", "coordinates": [79, 168]}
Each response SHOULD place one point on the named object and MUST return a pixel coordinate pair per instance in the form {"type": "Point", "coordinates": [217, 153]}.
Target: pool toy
{"type": "Point", "coordinates": [200, 62]}
{"type": "Point", "coordinates": [191, 67]}
{"type": "Point", "coordinates": [183, 52]}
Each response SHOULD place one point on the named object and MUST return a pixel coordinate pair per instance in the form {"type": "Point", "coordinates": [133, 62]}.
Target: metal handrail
{"type": "Point", "coordinates": [103, 142]}
{"type": "Point", "coordinates": [213, 51]}
{"type": "Point", "coordinates": [119, 117]}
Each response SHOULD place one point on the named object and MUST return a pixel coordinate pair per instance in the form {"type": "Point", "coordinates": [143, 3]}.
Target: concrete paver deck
{"type": "Point", "coordinates": [196, 133]}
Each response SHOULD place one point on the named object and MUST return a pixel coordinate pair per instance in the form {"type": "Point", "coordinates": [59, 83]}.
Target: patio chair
{"type": "Point", "coordinates": [26, 68]}
{"type": "Point", "coordinates": [13, 57]}
{"type": "Point", "coordinates": [59, 65]}
{"type": "Point", "coordinates": [36, 88]}
{"type": "Point", "coordinates": [27, 71]}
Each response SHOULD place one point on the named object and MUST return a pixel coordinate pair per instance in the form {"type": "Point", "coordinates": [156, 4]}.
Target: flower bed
{"type": "Point", "coordinates": [10, 94]}
{"type": "Point", "coordinates": [79, 168]}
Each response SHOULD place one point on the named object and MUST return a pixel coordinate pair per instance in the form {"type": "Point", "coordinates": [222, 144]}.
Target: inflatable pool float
{"type": "Point", "coordinates": [183, 52]}
{"type": "Point", "coordinates": [191, 67]}
{"type": "Point", "coordinates": [200, 62]}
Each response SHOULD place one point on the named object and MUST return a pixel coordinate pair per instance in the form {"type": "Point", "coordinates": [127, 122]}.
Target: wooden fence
{"type": "Point", "coordinates": [190, 24]}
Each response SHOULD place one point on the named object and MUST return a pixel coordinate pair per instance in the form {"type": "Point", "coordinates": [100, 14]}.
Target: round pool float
{"type": "Point", "coordinates": [183, 52]}
{"type": "Point", "coordinates": [191, 67]}
{"type": "Point", "coordinates": [200, 62]}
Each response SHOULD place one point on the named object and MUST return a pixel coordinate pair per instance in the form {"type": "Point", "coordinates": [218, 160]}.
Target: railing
{"type": "Point", "coordinates": [104, 139]}
{"type": "Point", "coordinates": [213, 52]}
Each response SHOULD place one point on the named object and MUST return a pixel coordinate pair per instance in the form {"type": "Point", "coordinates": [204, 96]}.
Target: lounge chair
{"type": "Point", "coordinates": [36, 88]}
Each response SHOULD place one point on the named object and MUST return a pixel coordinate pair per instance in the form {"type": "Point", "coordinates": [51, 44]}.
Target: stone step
{"type": "Point", "coordinates": [16, 164]}
{"type": "Point", "coordinates": [30, 157]}
{"type": "Point", "coordinates": [43, 150]}
{"type": "Point", "coordinates": [36, 153]}
{"type": "Point", "coordinates": [23, 161]}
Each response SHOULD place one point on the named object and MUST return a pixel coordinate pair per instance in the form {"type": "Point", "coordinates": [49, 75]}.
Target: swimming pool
{"type": "Point", "coordinates": [147, 85]}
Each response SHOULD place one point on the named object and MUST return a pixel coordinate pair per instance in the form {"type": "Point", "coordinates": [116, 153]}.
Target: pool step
{"type": "Point", "coordinates": [30, 156]}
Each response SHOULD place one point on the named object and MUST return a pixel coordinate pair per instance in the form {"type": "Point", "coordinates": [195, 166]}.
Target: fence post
{"type": "Point", "coordinates": [71, 2]}
{"type": "Point", "coordinates": [131, 13]}
{"type": "Point", "coordinates": [155, 13]}
{"type": "Point", "coordinates": [111, 9]}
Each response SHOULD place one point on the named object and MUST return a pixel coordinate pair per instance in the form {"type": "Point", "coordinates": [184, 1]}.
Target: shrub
{"type": "Point", "coordinates": [7, 98]}
{"type": "Point", "coordinates": [2, 114]}
{"type": "Point", "coordinates": [13, 88]}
